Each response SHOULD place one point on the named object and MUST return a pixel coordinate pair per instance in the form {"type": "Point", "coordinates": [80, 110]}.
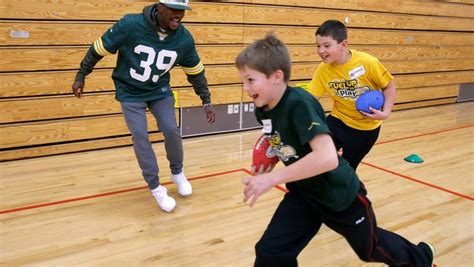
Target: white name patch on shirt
{"type": "Point", "coordinates": [356, 72]}
{"type": "Point", "coordinates": [267, 126]}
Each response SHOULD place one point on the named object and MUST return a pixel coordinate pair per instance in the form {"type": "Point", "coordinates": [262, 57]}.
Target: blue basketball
{"type": "Point", "coordinates": [368, 99]}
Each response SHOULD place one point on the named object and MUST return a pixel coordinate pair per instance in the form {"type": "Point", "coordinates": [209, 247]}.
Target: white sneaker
{"type": "Point", "coordinates": [184, 186]}
{"type": "Point", "coordinates": [166, 202]}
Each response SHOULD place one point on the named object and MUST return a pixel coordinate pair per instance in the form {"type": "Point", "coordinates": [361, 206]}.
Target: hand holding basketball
{"type": "Point", "coordinates": [373, 106]}
{"type": "Point", "coordinates": [370, 99]}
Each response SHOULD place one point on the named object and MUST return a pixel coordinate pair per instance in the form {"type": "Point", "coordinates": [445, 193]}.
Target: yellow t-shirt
{"type": "Point", "coordinates": [344, 83]}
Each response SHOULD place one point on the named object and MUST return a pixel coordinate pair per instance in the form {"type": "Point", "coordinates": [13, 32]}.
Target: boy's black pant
{"type": "Point", "coordinates": [355, 143]}
{"type": "Point", "coordinates": [297, 220]}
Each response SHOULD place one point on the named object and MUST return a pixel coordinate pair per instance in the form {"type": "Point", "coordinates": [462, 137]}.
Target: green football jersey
{"type": "Point", "coordinates": [291, 124]}
{"type": "Point", "coordinates": [145, 57]}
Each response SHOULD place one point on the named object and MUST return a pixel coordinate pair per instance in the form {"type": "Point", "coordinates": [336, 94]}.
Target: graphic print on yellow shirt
{"type": "Point", "coordinates": [345, 83]}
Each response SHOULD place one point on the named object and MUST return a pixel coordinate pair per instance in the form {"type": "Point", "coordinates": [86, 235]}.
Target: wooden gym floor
{"type": "Point", "coordinates": [93, 209]}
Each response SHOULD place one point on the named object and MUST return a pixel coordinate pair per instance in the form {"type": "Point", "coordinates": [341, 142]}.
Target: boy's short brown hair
{"type": "Point", "coordinates": [266, 55]}
{"type": "Point", "coordinates": [334, 29]}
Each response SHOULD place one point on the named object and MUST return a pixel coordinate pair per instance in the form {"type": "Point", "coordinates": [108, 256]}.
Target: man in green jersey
{"type": "Point", "coordinates": [149, 45]}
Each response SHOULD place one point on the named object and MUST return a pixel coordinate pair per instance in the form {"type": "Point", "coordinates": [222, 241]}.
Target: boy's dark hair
{"type": "Point", "coordinates": [266, 55]}
{"type": "Point", "coordinates": [333, 28]}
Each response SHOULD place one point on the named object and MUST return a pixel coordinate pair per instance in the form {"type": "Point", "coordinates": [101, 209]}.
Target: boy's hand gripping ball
{"type": "Point", "coordinates": [262, 154]}
{"type": "Point", "coordinates": [372, 98]}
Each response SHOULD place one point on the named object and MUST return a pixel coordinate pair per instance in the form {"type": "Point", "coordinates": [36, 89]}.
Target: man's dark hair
{"type": "Point", "coordinates": [333, 28]}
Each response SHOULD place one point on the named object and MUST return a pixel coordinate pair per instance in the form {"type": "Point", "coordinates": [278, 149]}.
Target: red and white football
{"type": "Point", "coordinates": [262, 154]}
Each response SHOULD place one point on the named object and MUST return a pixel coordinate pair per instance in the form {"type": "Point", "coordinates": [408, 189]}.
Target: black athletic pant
{"type": "Point", "coordinates": [298, 219]}
{"type": "Point", "coordinates": [355, 143]}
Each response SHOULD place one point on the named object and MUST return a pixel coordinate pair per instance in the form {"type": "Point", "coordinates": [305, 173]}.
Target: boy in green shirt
{"type": "Point", "coordinates": [323, 187]}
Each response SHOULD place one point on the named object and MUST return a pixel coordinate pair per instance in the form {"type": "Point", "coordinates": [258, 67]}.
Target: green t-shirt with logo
{"type": "Point", "coordinates": [292, 124]}
{"type": "Point", "coordinates": [145, 57]}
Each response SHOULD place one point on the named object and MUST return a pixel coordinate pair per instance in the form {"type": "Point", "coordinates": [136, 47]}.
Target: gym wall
{"type": "Point", "coordinates": [427, 45]}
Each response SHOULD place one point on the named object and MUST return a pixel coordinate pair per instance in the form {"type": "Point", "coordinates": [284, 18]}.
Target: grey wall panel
{"type": "Point", "coordinates": [193, 120]}
{"type": "Point", "coordinates": [248, 116]}
{"type": "Point", "coordinates": [466, 92]}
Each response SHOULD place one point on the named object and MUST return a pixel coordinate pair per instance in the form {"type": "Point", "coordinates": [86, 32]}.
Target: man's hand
{"type": "Point", "coordinates": [78, 88]}
{"type": "Point", "coordinates": [211, 116]}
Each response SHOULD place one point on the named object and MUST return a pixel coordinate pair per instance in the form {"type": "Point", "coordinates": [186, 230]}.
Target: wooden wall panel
{"type": "Point", "coordinates": [14, 59]}
{"type": "Point", "coordinates": [221, 94]}
{"type": "Point", "coordinates": [80, 10]}
{"type": "Point", "coordinates": [305, 35]}
{"type": "Point", "coordinates": [67, 34]}
{"type": "Point", "coordinates": [17, 135]}
{"type": "Point", "coordinates": [44, 108]}
{"type": "Point", "coordinates": [31, 152]}
{"type": "Point", "coordinates": [218, 12]}
{"type": "Point", "coordinates": [50, 83]}
{"type": "Point", "coordinates": [435, 78]}
{"type": "Point", "coordinates": [66, 58]}
{"type": "Point", "coordinates": [63, 107]}
{"type": "Point", "coordinates": [305, 70]}
{"type": "Point", "coordinates": [429, 50]}
{"type": "Point", "coordinates": [427, 93]}
{"type": "Point", "coordinates": [426, 103]}
{"type": "Point", "coordinates": [279, 15]}
{"type": "Point", "coordinates": [436, 8]}
{"type": "Point", "coordinates": [59, 83]}
{"type": "Point", "coordinates": [427, 79]}
{"type": "Point", "coordinates": [34, 109]}
{"type": "Point", "coordinates": [469, 2]}
{"type": "Point", "coordinates": [422, 66]}
{"type": "Point", "coordinates": [69, 10]}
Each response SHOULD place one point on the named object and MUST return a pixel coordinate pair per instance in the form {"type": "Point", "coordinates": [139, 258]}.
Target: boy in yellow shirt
{"type": "Point", "coordinates": [345, 74]}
